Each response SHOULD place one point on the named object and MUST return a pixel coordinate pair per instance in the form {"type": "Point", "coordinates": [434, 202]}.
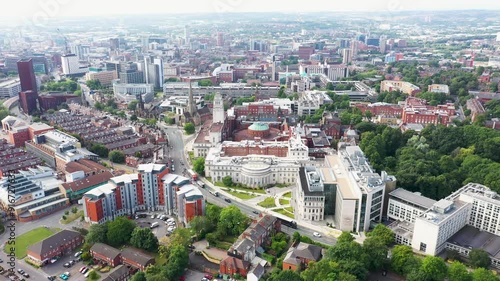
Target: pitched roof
{"type": "Point", "coordinates": [53, 242]}
{"type": "Point", "coordinates": [303, 250]}
{"type": "Point", "coordinates": [235, 263]}
{"type": "Point", "coordinates": [258, 271]}
{"type": "Point", "coordinates": [136, 255]}
{"type": "Point", "coordinates": [117, 273]}
{"type": "Point", "coordinates": [87, 182]}
{"type": "Point", "coordinates": [105, 250]}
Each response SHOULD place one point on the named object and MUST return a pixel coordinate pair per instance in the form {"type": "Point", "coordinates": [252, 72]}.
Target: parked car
{"type": "Point", "coordinates": [255, 212]}
{"type": "Point", "coordinates": [82, 269]}
{"type": "Point", "coordinates": [26, 275]}
{"type": "Point", "coordinates": [51, 277]}
{"type": "Point", "coordinates": [153, 216]}
{"type": "Point", "coordinates": [315, 234]}
{"type": "Point", "coordinates": [63, 276]}
{"type": "Point", "coordinates": [208, 276]}
{"type": "Point", "coordinates": [85, 270]}
{"type": "Point", "coordinates": [77, 254]}
{"type": "Point", "coordinates": [72, 262]}
{"type": "Point", "coordinates": [227, 200]}
{"type": "Point", "coordinates": [20, 270]}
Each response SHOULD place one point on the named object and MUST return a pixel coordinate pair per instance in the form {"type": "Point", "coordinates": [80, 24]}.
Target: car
{"type": "Point", "coordinates": [85, 270]}
{"type": "Point", "coordinates": [255, 212]}
{"type": "Point", "coordinates": [1, 260]}
{"type": "Point", "coordinates": [67, 265]}
{"type": "Point", "coordinates": [51, 277]}
{"type": "Point", "coordinates": [227, 200]}
{"type": "Point", "coordinates": [315, 234]}
{"type": "Point", "coordinates": [77, 254]}
{"type": "Point", "coordinates": [82, 269]}
{"type": "Point", "coordinates": [72, 262]}
{"type": "Point", "coordinates": [20, 270]}
{"type": "Point", "coordinates": [136, 217]}
{"type": "Point", "coordinates": [63, 276]}
{"type": "Point", "coordinates": [26, 275]}
{"type": "Point", "coordinates": [87, 274]}
{"type": "Point", "coordinates": [53, 260]}
{"type": "Point", "coordinates": [208, 276]}
{"type": "Point", "coordinates": [204, 279]}
{"type": "Point", "coordinates": [153, 216]}
{"type": "Point", "coordinates": [67, 273]}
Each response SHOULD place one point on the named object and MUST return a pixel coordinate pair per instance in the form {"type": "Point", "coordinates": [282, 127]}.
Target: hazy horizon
{"type": "Point", "coordinates": [52, 9]}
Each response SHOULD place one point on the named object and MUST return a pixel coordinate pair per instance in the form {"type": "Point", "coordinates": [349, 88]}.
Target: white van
{"type": "Point", "coordinates": [155, 224]}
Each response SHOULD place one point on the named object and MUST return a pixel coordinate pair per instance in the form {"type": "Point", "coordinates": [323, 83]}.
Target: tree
{"type": "Point", "coordinates": [402, 260]}
{"type": "Point", "coordinates": [116, 156]}
{"type": "Point", "coordinates": [434, 268]}
{"type": "Point", "coordinates": [232, 221]}
{"type": "Point", "coordinates": [205, 83]}
{"type": "Point", "coordinates": [144, 239]}
{"type": "Point", "coordinates": [200, 226]}
{"type": "Point", "coordinates": [375, 251]}
{"type": "Point", "coordinates": [139, 276]}
{"type": "Point", "coordinates": [177, 262]}
{"type": "Point", "coordinates": [74, 210]}
{"type": "Point", "coordinates": [384, 233]}
{"type": "Point", "coordinates": [479, 258]}
{"type": "Point", "coordinates": [100, 150]}
{"type": "Point", "coordinates": [227, 181]}
{"type": "Point", "coordinates": [132, 105]}
{"type": "Point", "coordinates": [199, 165]}
{"type": "Point", "coordinates": [119, 231]}
{"type": "Point", "coordinates": [287, 275]}
{"type": "Point", "coordinates": [189, 128]}
{"type": "Point", "coordinates": [169, 120]}
{"type": "Point", "coordinates": [458, 272]}
{"type": "Point", "coordinates": [133, 117]}
{"type": "Point", "coordinates": [93, 84]}
{"type": "Point", "coordinates": [97, 233]}
{"type": "Point", "coordinates": [482, 274]}
{"type": "Point", "coordinates": [296, 237]}
{"type": "Point", "coordinates": [212, 213]}
{"type": "Point", "coordinates": [93, 275]}
{"type": "Point", "coordinates": [324, 270]}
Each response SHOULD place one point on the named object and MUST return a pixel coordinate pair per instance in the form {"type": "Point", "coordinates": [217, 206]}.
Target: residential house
{"type": "Point", "coordinates": [136, 258]}
{"type": "Point", "coordinates": [59, 244]}
{"type": "Point", "coordinates": [299, 256]}
{"type": "Point", "coordinates": [232, 265]}
{"type": "Point", "coordinates": [256, 273]}
{"type": "Point", "coordinates": [105, 254]}
{"type": "Point", "coordinates": [121, 273]}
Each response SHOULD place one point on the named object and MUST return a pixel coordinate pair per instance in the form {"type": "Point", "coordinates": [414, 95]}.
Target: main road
{"type": "Point", "coordinates": [176, 152]}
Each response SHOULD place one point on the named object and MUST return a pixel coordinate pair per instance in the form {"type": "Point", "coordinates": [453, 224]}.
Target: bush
{"type": "Point", "coordinates": [64, 217]}
{"type": "Point", "coordinates": [74, 210]}
{"type": "Point", "coordinates": [66, 213]}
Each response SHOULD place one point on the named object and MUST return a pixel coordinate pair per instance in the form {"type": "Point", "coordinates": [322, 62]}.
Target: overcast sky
{"type": "Point", "coordinates": [18, 9]}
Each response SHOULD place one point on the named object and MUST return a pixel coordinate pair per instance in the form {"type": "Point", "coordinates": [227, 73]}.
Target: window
{"type": "Point", "coordinates": [423, 246]}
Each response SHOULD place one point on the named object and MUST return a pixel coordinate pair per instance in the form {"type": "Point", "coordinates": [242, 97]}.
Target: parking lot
{"type": "Point", "coordinates": [159, 231]}
{"type": "Point", "coordinates": [58, 267]}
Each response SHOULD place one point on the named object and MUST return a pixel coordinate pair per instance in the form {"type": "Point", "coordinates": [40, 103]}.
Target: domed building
{"type": "Point", "coordinates": [258, 129]}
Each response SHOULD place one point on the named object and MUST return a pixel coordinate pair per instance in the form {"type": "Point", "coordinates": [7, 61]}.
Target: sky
{"type": "Point", "coordinates": [32, 9]}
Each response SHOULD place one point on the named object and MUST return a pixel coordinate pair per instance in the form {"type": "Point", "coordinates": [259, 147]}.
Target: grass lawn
{"type": "Point", "coordinates": [284, 201]}
{"type": "Point", "coordinates": [285, 213]}
{"type": "Point", "coordinates": [290, 209]}
{"type": "Point", "coordinates": [29, 238]}
{"type": "Point", "coordinates": [71, 217]}
{"type": "Point", "coordinates": [288, 194]}
{"type": "Point", "coordinates": [242, 196]}
{"type": "Point", "coordinates": [94, 279]}
{"type": "Point", "coordinates": [223, 245]}
{"type": "Point", "coordinates": [267, 203]}
{"type": "Point", "coordinates": [261, 191]}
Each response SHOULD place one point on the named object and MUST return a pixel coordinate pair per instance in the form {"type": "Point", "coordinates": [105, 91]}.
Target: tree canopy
{"type": "Point", "coordinates": [189, 128]}
{"type": "Point", "coordinates": [119, 231]}
{"type": "Point", "coordinates": [199, 165]}
{"type": "Point", "coordinates": [144, 239]}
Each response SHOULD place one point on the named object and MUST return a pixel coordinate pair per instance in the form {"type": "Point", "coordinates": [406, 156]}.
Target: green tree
{"type": "Point", "coordinates": [375, 251]}
{"type": "Point", "coordinates": [199, 165]}
{"type": "Point", "coordinates": [227, 181]}
{"type": "Point", "coordinates": [97, 233]}
{"type": "Point", "coordinates": [324, 270]}
{"type": "Point", "coordinates": [119, 231]}
{"type": "Point", "coordinates": [482, 274]}
{"type": "Point", "coordinates": [296, 237]}
{"type": "Point", "coordinates": [133, 117]}
{"type": "Point", "coordinates": [200, 226]}
{"type": "Point", "coordinates": [458, 272]}
{"type": "Point", "coordinates": [100, 150]}
{"type": "Point", "coordinates": [287, 275]}
{"type": "Point", "coordinates": [169, 120]}
{"type": "Point", "coordinates": [232, 221]}
{"type": "Point", "coordinates": [434, 268]}
{"type": "Point", "coordinates": [177, 262]}
{"type": "Point", "coordinates": [143, 238]}
{"type": "Point", "coordinates": [132, 105]}
{"type": "Point", "coordinates": [402, 260]}
{"type": "Point", "coordinates": [93, 84]}
{"type": "Point", "coordinates": [189, 128]}
{"type": "Point", "coordinates": [384, 233]}
{"type": "Point", "coordinates": [479, 258]}
{"type": "Point", "coordinates": [117, 156]}
{"type": "Point", "coordinates": [74, 210]}
{"type": "Point", "coordinates": [93, 275]}
{"type": "Point", "coordinates": [205, 83]}
{"type": "Point", "coordinates": [212, 213]}
{"type": "Point", "coordinates": [139, 276]}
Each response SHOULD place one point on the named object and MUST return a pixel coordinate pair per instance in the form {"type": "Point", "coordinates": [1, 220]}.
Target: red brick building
{"type": "Point", "coordinates": [136, 258]}
{"type": "Point", "coordinates": [14, 159]}
{"type": "Point", "coordinates": [121, 273]}
{"type": "Point", "coordinates": [232, 265]}
{"type": "Point", "coordinates": [59, 244]}
{"type": "Point", "coordinates": [300, 255]}
{"type": "Point", "coordinates": [105, 254]}
{"type": "Point", "coordinates": [17, 130]}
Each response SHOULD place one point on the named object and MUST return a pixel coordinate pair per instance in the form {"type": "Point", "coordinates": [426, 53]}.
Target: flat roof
{"type": "Point", "coordinates": [472, 238]}
{"type": "Point", "coordinates": [327, 175]}
{"type": "Point", "coordinates": [413, 197]}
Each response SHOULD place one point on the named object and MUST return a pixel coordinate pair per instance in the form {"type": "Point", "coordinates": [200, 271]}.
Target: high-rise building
{"type": "Point", "coordinates": [27, 75]}
{"type": "Point", "coordinates": [220, 39]}
{"type": "Point", "coordinates": [186, 35]}
{"type": "Point", "coordinates": [9, 88]}
{"type": "Point", "coordinates": [382, 44]}
{"type": "Point", "coordinates": [70, 65]}
{"type": "Point", "coordinates": [354, 48]}
{"type": "Point", "coordinates": [218, 110]}
{"type": "Point", "coordinates": [346, 56]}
{"type": "Point", "coordinates": [28, 101]}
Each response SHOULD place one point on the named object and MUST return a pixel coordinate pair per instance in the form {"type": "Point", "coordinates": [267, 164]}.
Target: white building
{"type": "Point", "coordinates": [310, 195]}
{"type": "Point", "coordinates": [129, 92]}
{"type": "Point", "coordinates": [407, 206]}
{"type": "Point", "coordinates": [439, 88]}
{"type": "Point", "coordinates": [71, 65]}
{"type": "Point", "coordinates": [9, 88]}
{"type": "Point", "coordinates": [310, 101]}
{"type": "Point", "coordinates": [257, 170]}
{"type": "Point", "coordinates": [360, 190]}
{"type": "Point", "coordinates": [218, 109]}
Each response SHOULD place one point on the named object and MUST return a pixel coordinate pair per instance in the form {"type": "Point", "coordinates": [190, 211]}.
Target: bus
{"type": "Point", "coordinates": [288, 222]}
{"type": "Point", "coordinates": [194, 176]}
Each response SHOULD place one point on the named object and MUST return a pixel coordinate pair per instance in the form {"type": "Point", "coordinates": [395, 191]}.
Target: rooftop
{"type": "Point", "coordinates": [87, 182]}
{"type": "Point", "coordinates": [472, 238]}
{"type": "Point", "coordinates": [413, 197]}
{"type": "Point", "coordinates": [53, 242]}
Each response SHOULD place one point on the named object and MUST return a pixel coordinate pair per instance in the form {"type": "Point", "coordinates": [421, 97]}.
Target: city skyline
{"type": "Point", "coordinates": [26, 10]}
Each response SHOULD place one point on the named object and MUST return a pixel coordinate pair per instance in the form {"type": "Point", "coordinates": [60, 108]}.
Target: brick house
{"type": "Point", "coordinates": [232, 265]}
{"type": "Point", "coordinates": [121, 273]}
{"type": "Point", "coordinates": [59, 244]}
{"type": "Point", "coordinates": [105, 254]}
{"type": "Point", "coordinates": [299, 256]}
{"type": "Point", "coordinates": [136, 258]}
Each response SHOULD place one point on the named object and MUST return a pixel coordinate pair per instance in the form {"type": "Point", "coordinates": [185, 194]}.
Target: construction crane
{"type": "Point", "coordinates": [66, 47]}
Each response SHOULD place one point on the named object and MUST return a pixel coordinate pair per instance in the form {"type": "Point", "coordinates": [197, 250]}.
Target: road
{"type": "Point", "coordinates": [175, 151]}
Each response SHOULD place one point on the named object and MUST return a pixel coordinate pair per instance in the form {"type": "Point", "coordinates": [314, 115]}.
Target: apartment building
{"type": "Point", "coordinates": [310, 195]}
{"type": "Point", "coordinates": [14, 159]}
{"type": "Point", "coordinates": [438, 88]}
{"type": "Point", "coordinates": [9, 88]}
{"type": "Point", "coordinates": [104, 77]}
{"type": "Point", "coordinates": [396, 85]}
{"type": "Point", "coordinates": [129, 92]}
